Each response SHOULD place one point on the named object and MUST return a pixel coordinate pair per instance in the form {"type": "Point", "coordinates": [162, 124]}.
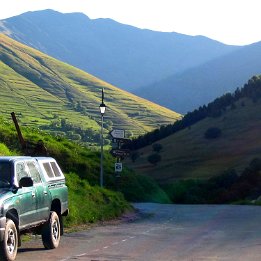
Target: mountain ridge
{"type": "Point", "coordinates": [204, 83]}
{"type": "Point", "coordinates": [121, 54]}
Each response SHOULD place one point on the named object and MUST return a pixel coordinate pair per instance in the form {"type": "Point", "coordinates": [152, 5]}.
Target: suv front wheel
{"type": "Point", "coordinates": [8, 247]}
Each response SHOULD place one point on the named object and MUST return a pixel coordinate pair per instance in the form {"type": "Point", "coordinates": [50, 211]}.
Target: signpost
{"type": "Point", "coordinates": [118, 134]}
{"type": "Point", "coordinates": [118, 167]}
{"type": "Point", "coordinates": [120, 140]}
{"type": "Point", "coordinates": [118, 137]}
{"type": "Point", "coordinates": [120, 153]}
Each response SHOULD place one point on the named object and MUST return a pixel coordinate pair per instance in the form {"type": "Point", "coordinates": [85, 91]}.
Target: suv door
{"type": "Point", "coordinates": [41, 192]}
{"type": "Point", "coordinates": [26, 196]}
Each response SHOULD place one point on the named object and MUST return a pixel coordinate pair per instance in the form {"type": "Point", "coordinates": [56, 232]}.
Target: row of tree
{"type": "Point", "coordinates": [216, 108]}
{"type": "Point", "coordinates": [227, 187]}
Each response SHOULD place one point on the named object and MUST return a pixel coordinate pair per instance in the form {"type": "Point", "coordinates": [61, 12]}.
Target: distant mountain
{"type": "Point", "coordinates": [197, 86]}
{"type": "Point", "coordinates": [123, 55]}
{"type": "Point", "coordinates": [51, 95]}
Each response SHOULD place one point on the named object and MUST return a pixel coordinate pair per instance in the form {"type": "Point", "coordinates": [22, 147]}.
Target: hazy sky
{"type": "Point", "coordinates": [229, 21]}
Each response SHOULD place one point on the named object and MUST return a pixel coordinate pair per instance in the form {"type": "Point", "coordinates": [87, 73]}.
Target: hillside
{"type": "Point", "coordinates": [188, 154]}
{"type": "Point", "coordinates": [48, 94]}
{"type": "Point", "coordinates": [197, 86]}
{"type": "Point", "coordinates": [120, 54]}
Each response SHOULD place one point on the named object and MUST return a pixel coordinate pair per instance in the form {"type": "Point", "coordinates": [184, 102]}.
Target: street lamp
{"type": "Point", "coordinates": [102, 110]}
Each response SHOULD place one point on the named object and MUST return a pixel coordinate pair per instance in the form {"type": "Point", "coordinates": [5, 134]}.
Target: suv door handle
{"type": "Point", "coordinates": [45, 192]}
{"type": "Point", "coordinates": [33, 194]}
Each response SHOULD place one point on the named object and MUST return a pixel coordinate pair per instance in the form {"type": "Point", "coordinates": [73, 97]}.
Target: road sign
{"type": "Point", "coordinates": [114, 140]}
{"type": "Point", "coordinates": [118, 167]}
{"type": "Point", "coordinates": [117, 134]}
{"type": "Point", "coordinates": [120, 152]}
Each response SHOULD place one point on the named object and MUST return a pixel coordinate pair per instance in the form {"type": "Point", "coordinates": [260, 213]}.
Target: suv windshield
{"type": "Point", "coordinates": [5, 174]}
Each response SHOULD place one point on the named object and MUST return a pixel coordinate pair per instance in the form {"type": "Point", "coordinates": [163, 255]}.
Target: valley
{"type": "Point", "coordinates": [54, 98]}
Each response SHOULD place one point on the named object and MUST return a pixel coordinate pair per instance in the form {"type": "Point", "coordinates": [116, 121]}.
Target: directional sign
{"type": "Point", "coordinates": [114, 140]}
{"type": "Point", "coordinates": [120, 152]}
{"type": "Point", "coordinates": [118, 167]}
{"type": "Point", "coordinates": [117, 134]}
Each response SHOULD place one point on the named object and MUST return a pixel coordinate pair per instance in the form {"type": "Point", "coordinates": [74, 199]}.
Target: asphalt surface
{"type": "Point", "coordinates": [163, 232]}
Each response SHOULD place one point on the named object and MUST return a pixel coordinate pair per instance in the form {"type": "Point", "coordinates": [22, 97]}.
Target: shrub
{"type": "Point", "coordinates": [134, 156]}
{"type": "Point", "coordinates": [157, 147]}
{"type": "Point", "coordinates": [154, 158]}
{"type": "Point", "coordinates": [212, 133]}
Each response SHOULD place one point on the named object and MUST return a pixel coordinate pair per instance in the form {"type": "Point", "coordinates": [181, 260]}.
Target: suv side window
{"type": "Point", "coordinates": [56, 171]}
{"type": "Point", "coordinates": [48, 169]}
{"type": "Point", "coordinates": [21, 171]}
{"type": "Point", "coordinates": [34, 171]}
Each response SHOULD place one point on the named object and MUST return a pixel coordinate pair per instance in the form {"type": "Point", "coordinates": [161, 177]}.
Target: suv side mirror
{"type": "Point", "coordinates": [26, 182]}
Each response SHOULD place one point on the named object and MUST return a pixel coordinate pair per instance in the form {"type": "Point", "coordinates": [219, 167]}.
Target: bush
{"type": "Point", "coordinates": [134, 156]}
{"type": "Point", "coordinates": [157, 147]}
{"type": "Point", "coordinates": [212, 133]}
{"type": "Point", "coordinates": [154, 158]}
{"type": "Point", "coordinates": [139, 188]}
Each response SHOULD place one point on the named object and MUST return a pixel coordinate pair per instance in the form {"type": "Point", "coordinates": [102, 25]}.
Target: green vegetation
{"type": "Point", "coordinates": [157, 147]}
{"type": "Point", "coordinates": [53, 96]}
{"type": "Point", "coordinates": [87, 201]}
{"type": "Point", "coordinates": [198, 157]}
{"type": "Point", "coordinates": [89, 204]}
{"type": "Point", "coordinates": [212, 133]}
{"type": "Point", "coordinates": [187, 154]}
{"type": "Point", "coordinates": [140, 188]}
{"type": "Point", "coordinates": [154, 158]}
{"type": "Point", "coordinates": [215, 109]}
{"type": "Point", "coordinates": [229, 187]}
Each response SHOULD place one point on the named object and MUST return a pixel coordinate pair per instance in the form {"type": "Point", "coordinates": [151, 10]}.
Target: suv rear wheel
{"type": "Point", "coordinates": [51, 232]}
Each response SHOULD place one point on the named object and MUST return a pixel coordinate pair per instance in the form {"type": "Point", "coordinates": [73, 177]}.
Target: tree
{"type": "Point", "coordinates": [134, 156]}
{"type": "Point", "coordinates": [154, 158]}
{"type": "Point", "coordinates": [157, 147]}
{"type": "Point", "coordinates": [212, 133]}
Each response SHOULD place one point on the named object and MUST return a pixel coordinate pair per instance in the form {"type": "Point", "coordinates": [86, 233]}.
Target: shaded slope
{"type": "Point", "coordinates": [188, 154]}
{"type": "Point", "coordinates": [43, 89]}
{"type": "Point", "coordinates": [198, 86]}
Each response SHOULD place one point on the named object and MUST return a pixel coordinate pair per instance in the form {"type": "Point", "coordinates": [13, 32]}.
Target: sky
{"type": "Point", "coordinates": [234, 22]}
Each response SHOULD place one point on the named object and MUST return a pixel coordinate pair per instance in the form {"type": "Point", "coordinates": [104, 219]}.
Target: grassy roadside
{"type": "Point", "coordinates": [89, 204]}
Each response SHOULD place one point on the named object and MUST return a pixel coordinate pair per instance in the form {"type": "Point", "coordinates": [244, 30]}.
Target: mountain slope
{"type": "Point", "coordinates": [198, 86]}
{"type": "Point", "coordinates": [189, 154]}
{"type": "Point", "coordinates": [120, 54]}
{"type": "Point", "coordinates": [46, 93]}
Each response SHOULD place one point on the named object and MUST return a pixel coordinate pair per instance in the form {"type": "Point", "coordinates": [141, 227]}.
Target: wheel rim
{"type": "Point", "coordinates": [11, 241]}
{"type": "Point", "coordinates": [55, 230]}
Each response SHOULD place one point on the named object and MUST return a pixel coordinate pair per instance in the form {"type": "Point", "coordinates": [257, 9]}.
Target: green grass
{"type": "Point", "coordinates": [89, 204]}
{"type": "Point", "coordinates": [87, 201]}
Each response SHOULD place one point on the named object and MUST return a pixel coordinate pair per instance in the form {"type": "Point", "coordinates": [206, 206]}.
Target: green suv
{"type": "Point", "coordinates": [33, 197]}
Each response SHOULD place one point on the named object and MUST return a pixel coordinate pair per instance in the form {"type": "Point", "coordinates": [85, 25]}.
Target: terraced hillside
{"type": "Point", "coordinates": [49, 94]}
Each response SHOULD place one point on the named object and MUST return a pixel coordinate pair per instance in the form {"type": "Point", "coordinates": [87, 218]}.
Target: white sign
{"type": "Point", "coordinates": [118, 167]}
{"type": "Point", "coordinates": [118, 134]}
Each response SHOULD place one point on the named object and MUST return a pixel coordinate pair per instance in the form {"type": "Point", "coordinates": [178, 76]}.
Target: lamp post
{"type": "Point", "coordinates": [102, 110]}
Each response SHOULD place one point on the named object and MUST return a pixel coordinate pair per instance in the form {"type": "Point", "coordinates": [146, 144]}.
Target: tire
{"type": "Point", "coordinates": [51, 232]}
{"type": "Point", "coordinates": [8, 247]}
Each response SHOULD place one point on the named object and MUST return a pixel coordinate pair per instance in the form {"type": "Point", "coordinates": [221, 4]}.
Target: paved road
{"type": "Point", "coordinates": [166, 232]}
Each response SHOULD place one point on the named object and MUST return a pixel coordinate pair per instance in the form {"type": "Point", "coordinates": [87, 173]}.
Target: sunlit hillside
{"type": "Point", "coordinates": [49, 94]}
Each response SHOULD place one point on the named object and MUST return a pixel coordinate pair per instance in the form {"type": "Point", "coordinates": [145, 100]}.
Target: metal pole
{"type": "Point", "coordinates": [101, 173]}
